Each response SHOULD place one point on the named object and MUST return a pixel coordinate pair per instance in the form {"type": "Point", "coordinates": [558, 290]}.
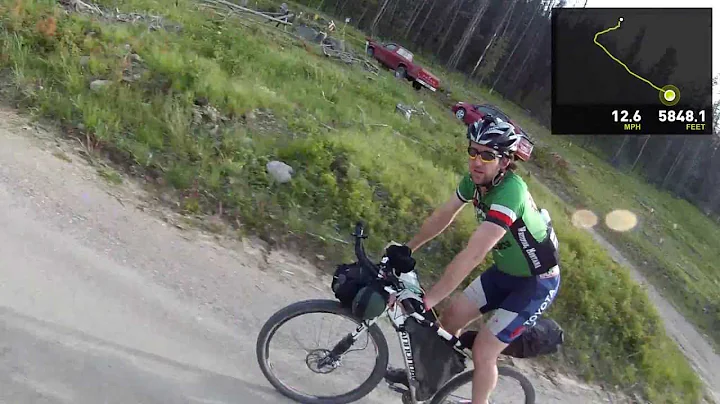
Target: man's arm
{"type": "Point", "coordinates": [480, 244]}
{"type": "Point", "coordinates": [437, 222]}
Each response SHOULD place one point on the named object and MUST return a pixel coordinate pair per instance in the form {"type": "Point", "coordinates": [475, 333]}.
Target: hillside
{"type": "Point", "coordinates": [201, 103]}
{"type": "Point", "coordinates": [668, 183]}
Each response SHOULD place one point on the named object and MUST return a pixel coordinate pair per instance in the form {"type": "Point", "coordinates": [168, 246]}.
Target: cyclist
{"type": "Point", "coordinates": [525, 276]}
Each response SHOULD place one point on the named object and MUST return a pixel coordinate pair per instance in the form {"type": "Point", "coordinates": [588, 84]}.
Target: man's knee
{"type": "Point", "coordinates": [460, 313]}
{"type": "Point", "coordinates": [487, 347]}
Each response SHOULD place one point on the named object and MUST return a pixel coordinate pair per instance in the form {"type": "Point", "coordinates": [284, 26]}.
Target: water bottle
{"type": "Point", "coordinates": [545, 215]}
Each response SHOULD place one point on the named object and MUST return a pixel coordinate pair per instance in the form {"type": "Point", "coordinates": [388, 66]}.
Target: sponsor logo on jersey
{"type": "Point", "coordinates": [530, 252]}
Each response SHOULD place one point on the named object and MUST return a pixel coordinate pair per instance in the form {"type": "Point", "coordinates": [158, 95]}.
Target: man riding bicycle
{"type": "Point", "coordinates": [525, 276]}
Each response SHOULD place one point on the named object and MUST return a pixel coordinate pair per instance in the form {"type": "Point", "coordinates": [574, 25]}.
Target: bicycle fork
{"type": "Point", "coordinates": [334, 356]}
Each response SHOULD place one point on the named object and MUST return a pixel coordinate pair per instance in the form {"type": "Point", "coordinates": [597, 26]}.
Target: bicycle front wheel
{"type": "Point", "coordinates": [506, 391]}
{"type": "Point", "coordinates": [320, 369]}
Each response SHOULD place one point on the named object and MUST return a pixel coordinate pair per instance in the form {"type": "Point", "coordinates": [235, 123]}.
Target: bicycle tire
{"type": "Point", "coordinates": [320, 306]}
{"type": "Point", "coordinates": [466, 377]}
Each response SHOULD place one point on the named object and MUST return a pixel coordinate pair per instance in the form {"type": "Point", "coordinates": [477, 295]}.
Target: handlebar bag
{"type": "Point", "coordinates": [347, 281]}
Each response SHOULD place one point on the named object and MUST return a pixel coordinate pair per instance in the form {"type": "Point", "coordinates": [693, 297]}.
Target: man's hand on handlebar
{"type": "Point", "coordinates": [410, 302]}
{"type": "Point", "coordinates": [400, 258]}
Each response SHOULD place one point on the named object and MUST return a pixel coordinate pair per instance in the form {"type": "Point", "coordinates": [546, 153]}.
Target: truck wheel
{"type": "Point", "coordinates": [400, 72]}
{"type": "Point", "coordinates": [370, 51]}
{"type": "Point", "coordinates": [417, 86]}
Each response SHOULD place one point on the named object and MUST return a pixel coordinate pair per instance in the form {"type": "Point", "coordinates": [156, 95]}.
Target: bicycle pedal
{"type": "Point", "coordinates": [397, 388]}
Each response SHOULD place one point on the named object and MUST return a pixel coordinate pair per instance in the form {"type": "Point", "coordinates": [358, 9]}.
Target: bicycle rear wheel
{"type": "Point", "coordinates": [524, 395]}
{"type": "Point", "coordinates": [316, 359]}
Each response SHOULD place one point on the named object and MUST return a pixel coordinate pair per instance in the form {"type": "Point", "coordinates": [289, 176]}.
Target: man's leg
{"type": "Point", "coordinates": [461, 312]}
{"type": "Point", "coordinates": [518, 311]}
{"type": "Point", "coordinates": [484, 294]}
{"type": "Point", "coordinates": [486, 350]}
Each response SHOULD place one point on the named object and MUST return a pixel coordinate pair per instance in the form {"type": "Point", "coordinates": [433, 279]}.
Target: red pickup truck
{"type": "Point", "coordinates": [399, 59]}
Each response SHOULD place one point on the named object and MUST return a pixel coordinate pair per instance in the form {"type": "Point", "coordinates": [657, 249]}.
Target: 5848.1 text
{"type": "Point", "coordinates": [682, 116]}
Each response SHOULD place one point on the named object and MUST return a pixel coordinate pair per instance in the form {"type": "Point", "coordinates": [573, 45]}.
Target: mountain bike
{"type": "Point", "coordinates": [404, 307]}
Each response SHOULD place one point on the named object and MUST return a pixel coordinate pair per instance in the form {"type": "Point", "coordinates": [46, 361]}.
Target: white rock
{"type": "Point", "coordinates": [280, 171]}
{"type": "Point", "coordinates": [99, 84]}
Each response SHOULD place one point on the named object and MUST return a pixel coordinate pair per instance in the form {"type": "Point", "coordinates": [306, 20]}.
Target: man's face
{"type": "Point", "coordinates": [486, 163]}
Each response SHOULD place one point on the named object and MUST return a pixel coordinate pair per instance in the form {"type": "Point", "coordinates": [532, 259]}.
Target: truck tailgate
{"type": "Point", "coordinates": [428, 79]}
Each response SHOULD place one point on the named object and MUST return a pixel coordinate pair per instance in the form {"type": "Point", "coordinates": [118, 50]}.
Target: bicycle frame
{"type": "Point", "coordinates": [398, 312]}
{"type": "Point", "coordinates": [397, 317]}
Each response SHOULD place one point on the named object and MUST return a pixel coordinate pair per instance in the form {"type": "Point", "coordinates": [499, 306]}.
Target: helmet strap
{"type": "Point", "coordinates": [496, 180]}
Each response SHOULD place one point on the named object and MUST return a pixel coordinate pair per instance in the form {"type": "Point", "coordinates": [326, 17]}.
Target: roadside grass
{"type": "Point", "coordinates": [210, 105]}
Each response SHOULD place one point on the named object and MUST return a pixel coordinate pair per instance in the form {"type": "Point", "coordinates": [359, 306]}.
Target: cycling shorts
{"type": "Point", "coordinates": [518, 301]}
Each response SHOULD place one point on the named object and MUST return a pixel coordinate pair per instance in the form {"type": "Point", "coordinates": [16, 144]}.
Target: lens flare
{"type": "Point", "coordinates": [621, 220]}
{"type": "Point", "coordinates": [584, 219]}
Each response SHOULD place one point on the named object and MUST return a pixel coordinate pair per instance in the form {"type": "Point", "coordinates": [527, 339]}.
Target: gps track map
{"type": "Point", "coordinates": [631, 71]}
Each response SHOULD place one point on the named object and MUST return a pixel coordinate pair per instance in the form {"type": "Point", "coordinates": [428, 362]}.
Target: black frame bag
{"type": "Point", "coordinates": [435, 360]}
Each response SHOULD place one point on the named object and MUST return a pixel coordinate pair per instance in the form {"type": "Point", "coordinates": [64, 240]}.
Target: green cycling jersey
{"type": "Point", "coordinates": [529, 247]}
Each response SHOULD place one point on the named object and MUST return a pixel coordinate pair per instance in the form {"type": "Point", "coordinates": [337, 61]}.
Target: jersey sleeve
{"type": "Point", "coordinates": [506, 204]}
{"type": "Point", "coordinates": [466, 189]}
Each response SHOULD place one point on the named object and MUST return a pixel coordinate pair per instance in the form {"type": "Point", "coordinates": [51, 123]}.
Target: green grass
{"type": "Point", "coordinates": [324, 124]}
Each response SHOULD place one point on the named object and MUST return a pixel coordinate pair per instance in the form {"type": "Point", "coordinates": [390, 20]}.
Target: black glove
{"type": "Point", "coordinates": [400, 259]}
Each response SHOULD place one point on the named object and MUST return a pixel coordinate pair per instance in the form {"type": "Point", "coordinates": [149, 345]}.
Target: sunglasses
{"type": "Point", "coordinates": [486, 156]}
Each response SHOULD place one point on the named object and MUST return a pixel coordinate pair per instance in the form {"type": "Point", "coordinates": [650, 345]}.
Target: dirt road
{"type": "Point", "coordinates": [695, 347]}
{"type": "Point", "coordinates": [103, 298]}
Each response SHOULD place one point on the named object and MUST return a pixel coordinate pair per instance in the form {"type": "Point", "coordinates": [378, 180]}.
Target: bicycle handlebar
{"type": "Point", "coordinates": [394, 281]}
{"type": "Point", "coordinates": [388, 276]}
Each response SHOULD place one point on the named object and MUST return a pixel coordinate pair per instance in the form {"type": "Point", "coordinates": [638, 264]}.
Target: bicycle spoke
{"type": "Point", "coordinates": [295, 337]}
{"type": "Point", "coordinates": [313, 369]}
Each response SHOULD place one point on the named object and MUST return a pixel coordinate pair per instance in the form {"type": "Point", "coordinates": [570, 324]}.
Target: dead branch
{"type": "Point", "coordinates": [326, 99]}
{"type": "Point", "coordinates": [248, 10]}
{"type": "Point", "coordinates": [79, 5]}
{"type": "Point", "coordinates": [363, 114]}
{"type": "Point", "coordinates": [153, 22]}
{"type": "Point", "coordinates": [225, 14]}
{"type": "Point", "coordinates": [321, 123]}
{"type": "Point", "coordinates": [396, 133]}
{"type": "Point", "coordinates": [324, 238]}
{"type": "Point", "coordinates": [348, 57]}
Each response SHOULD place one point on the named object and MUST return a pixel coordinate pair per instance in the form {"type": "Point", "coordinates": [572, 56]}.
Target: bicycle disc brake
{"type": "Point", "coordinates": [319, 361]}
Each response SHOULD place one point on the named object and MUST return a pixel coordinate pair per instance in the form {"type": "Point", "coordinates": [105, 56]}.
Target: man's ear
{"type": "Point", "coordinates": [504, 162]}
